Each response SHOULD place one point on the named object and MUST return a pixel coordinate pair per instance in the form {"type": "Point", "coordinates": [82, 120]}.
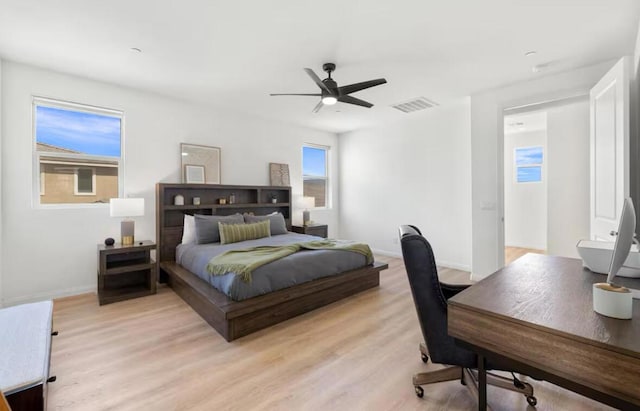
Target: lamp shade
{"type": "Point", "coordinates": [308, 202]}
{"type": "Point", "coordinates": [126, 207]}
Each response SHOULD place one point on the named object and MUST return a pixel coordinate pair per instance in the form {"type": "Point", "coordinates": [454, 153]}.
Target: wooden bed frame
{"type": "Point", "coordinates": [234, 319]}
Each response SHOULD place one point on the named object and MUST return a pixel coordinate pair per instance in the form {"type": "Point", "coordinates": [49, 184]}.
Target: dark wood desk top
{"type": "Point", "coordinates": [538, 314]}
{"type": "Point", "coordinates": [553, 294]}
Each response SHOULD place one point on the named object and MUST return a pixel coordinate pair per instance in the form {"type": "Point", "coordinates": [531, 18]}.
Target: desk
{"type": "Point", "coordinates": [537, 313]}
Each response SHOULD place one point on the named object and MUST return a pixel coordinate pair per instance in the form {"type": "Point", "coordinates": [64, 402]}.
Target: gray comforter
{"type": "Point", "coordinates": [295, 269]}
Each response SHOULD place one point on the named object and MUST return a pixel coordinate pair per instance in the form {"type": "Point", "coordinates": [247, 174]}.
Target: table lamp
{"type": "Point", "coordinates": [126, 207]}
{"type": "Point", "coordinates": [307, 203]}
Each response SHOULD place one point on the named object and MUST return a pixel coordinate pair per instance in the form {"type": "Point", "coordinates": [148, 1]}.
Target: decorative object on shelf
{"type": "Point", "coordinates": [203, 156]}
{"type": "Point", "coordinates": [109, 241]}
{"type": "Point", "coordinates": [196, 200]}
{"type": "Point", "coordinates": [232, 198]}
{"type": "Point", "coordinates": [279, 174]}
{"type": "Point", "coordinates": [178, 200]}
{"type": "Point", "coordinates": [222, 201]}
{"type": "Point", "coordinates": [194, 174]}
{"type": "Point", "coordinates": [273, 197]}
{"type": "Point", "coordinates": [307, 203]}
{"type": "Point", "coordinates": [127, 207]}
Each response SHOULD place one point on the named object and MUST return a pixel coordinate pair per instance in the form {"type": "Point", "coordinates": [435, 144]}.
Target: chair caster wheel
{"type": "Point", "coordinates": [532, 400]}
{"type": "Point", "coordinates": [425, 358]}
{"type": "Point", "coordinates": [420, 392]}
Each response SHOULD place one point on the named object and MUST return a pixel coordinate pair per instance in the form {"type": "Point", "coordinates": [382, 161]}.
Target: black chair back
{"type": "Point", "coordinates": [430, 302]}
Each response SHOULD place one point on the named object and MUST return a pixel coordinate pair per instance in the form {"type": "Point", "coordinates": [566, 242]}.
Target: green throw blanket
{"type": "Point", "coordinates": [244, 262]}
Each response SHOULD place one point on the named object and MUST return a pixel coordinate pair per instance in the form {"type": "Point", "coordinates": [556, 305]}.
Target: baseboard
{"type": "Point", "coordinates": [455, 266]}
{"type": "Point", "coordinates": [440, 263]}
{"type": "Point", "coordinates": [50, 295]}
{"type": "Point", "coordinates": [386, 253]}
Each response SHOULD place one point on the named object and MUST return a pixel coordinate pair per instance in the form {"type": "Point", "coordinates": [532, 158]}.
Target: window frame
{"type": "Point", "coordinates": [517, 167]}
{"type": "Point", "coordinates": [37, 174]}
{"type": "Point", "coordinates": [43, 181]}
{"type": "Point", "coordinates": [326, 177]}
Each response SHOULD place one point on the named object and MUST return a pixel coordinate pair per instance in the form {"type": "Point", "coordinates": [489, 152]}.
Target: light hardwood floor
{"type": "Point", "coordinates": [155, 353]}
{"type": "Point", "coordinates": [513, 253]}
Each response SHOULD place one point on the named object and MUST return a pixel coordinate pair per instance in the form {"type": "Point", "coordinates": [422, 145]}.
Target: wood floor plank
{"type": "Point", "coordinates": [513, 253]}
{"type": "Point", "coordinates": [155, 353]}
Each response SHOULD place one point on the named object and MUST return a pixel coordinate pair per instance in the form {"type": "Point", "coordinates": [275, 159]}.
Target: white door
{"type": "Point", "coordinates": [609, 150]}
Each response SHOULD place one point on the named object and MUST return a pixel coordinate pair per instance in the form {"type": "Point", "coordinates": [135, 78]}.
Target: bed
{"type": "Point", "coordinates": [280, 290]}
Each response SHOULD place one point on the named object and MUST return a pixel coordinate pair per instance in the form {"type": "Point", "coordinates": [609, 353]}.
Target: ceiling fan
{"type": "Point", "coordinates": [330, 93]}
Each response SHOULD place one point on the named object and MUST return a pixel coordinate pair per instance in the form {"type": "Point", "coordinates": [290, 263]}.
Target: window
{"type": "Point", "coordinates": [315, 174]}
{"type": "Point", "coordinates": [528, 163]}
{"type": "Point", "coordinates": [85, 182]}
{"type": "Point", "coordinates": [77, 151]}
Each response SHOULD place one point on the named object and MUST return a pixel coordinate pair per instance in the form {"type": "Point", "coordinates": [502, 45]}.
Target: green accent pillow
{"type": "Point", "coordinates": [233, 233]}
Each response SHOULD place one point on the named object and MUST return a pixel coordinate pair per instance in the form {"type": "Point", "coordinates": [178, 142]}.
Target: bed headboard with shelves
{"type": "Point", "coordinates": [248, 199]}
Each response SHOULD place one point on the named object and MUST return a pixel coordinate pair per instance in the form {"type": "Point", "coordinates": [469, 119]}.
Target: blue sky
{"type": "Point", "coordinates": [84, 132]}
{"type": "Point", "coordinates": [529, 174]}
{"type": "Point", "coordinates": [528, 155]}
{"type": "Point", "coordinates": [313, 161]}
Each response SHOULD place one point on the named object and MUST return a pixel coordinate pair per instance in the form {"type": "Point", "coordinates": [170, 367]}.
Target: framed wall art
{"type": "Point", "coordinates": [194, 174]}
{"type": "Point", "coordinates": [207, 158]}
{"type": "Point", "coordinates": [279, 174]}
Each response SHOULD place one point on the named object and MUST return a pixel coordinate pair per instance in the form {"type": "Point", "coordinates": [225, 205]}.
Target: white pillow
{"type": "Point", "coordinates": [189, 230]}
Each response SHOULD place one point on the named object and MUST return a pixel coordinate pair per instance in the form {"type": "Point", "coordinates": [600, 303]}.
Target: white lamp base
{"type": "Point", "coordinates": [127, 228]}
{"type": "Point", "coordinates": [306, 217]}
{"type": "Point", "coordinates": [612, 301]}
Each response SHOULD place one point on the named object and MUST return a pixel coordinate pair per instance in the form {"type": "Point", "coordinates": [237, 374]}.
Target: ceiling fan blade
{"type": "Point", "coordinates": [356, 101]}
{"type": "Point", "coordinates": [318, 106]}
{"type": "Point", "coordinates": [280, 94]}
{"type": "Point", "coordinates": [352, 88]}
{"type": "Point", "coordinates": [317, 80]}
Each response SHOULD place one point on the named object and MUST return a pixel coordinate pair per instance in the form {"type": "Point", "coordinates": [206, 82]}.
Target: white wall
{"type": "Point", "coordinates": [415, 171]}
{"type": "Point", "coordinates": [486, 153]}
{"type": "Point", "coordinates": [53, 252]}
{"type": "Point", "coordinates": [525, 204]}
{"type": "Point", "coordinates": [568, 170]}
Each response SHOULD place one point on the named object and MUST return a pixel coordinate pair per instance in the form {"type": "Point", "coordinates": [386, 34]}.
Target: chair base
{"type": "Point", "coordinates": [469, 378]}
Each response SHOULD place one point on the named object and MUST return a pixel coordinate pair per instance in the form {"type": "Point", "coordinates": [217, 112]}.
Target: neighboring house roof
{"type": "Point", "coordinates": [55, 149]}
{"type": "Point", "coordinates": [74, 158]}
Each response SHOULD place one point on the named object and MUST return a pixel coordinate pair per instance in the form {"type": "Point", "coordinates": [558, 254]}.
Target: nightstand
{"type": "Point", "coordinates": [125, 271]}
{"type": "Point", "coordinates": [320, 230]}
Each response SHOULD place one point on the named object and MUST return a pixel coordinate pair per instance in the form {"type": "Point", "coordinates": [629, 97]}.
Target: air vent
{"type": "Point", "coordinates": [415, 104]}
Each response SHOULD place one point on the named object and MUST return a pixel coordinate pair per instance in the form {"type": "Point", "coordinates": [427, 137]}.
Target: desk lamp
{"type": "Point", "coordinates": [126, 207]}
{"type": "Point", "coordinates": [608, 298]}
{"type": "Point", "coordinates": [307, 203]}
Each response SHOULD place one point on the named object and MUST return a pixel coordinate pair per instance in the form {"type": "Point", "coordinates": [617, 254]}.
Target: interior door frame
{"type": "Point", "coordinates": [515, 107]}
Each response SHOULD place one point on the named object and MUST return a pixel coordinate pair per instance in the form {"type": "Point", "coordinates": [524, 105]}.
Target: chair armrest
{"type": "Point", "coordinates": [449, 290]}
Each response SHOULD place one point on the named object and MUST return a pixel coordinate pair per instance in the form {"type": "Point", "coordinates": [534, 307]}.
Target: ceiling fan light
{"type": "Point", "coordinates": [329, 100]}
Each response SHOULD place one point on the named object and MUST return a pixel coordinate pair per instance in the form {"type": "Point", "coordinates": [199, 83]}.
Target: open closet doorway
{"type": "Point", "coordinates": [546, 178]}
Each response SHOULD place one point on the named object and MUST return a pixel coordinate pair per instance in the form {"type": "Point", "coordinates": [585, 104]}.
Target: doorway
{"type": "Point", "coordinates": [525, 184]}
{"type": "Point", "coordinates": [546, 178]}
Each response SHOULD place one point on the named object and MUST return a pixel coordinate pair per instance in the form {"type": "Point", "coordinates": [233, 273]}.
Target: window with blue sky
{"type": "Point", "coordinates": [85, 133]}
{"type": "Point", "coordinates": [77, 153]}
{"type": "Point", "coordinates": [314, 174]}
{"type": "Point", "coordinates": [528, 163]}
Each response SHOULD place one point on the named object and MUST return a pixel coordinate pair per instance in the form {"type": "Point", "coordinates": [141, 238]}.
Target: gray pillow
{"type": "Point", "coordinates": [207, 226]}
{"type": "Point", "coordinates": [278, 226]}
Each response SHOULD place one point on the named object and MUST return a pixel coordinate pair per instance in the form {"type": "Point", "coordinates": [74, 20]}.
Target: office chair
{"type": "Point", "coordinates": [430, 298]}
